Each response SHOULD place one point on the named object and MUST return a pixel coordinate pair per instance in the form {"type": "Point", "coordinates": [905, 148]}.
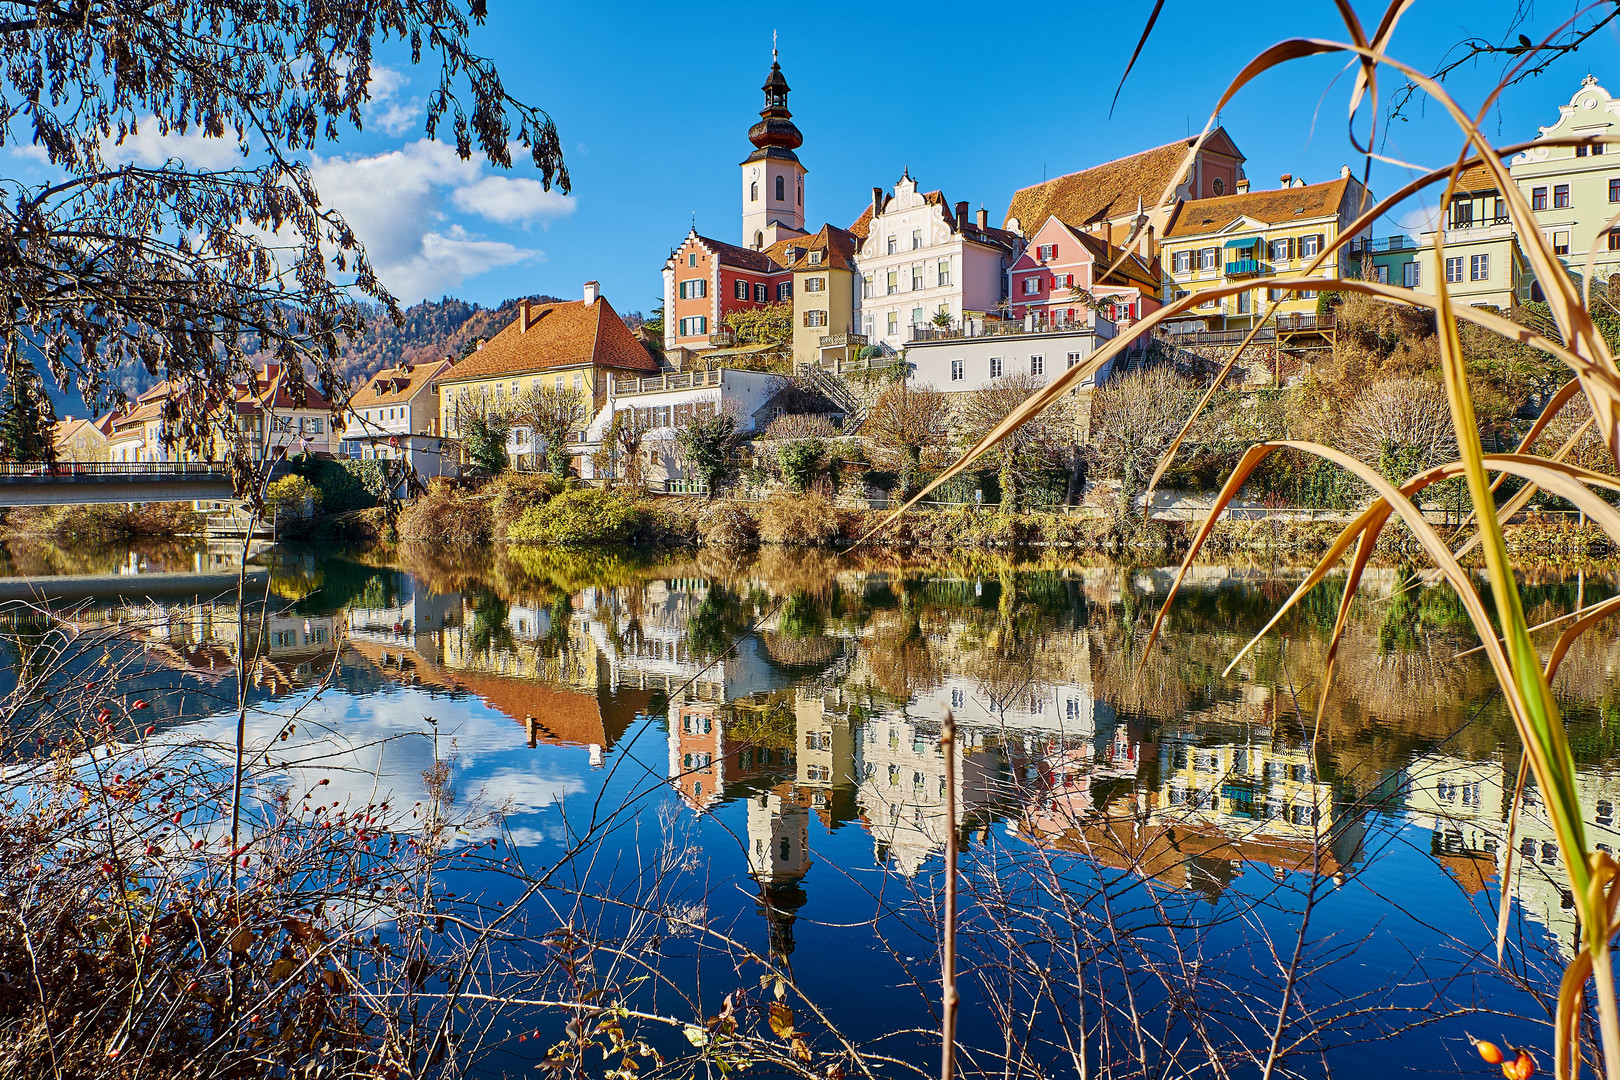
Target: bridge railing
{"type": "Point", "coordinates": [12, 472]}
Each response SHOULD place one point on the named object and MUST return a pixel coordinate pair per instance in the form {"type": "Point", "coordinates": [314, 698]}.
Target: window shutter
{"type": "Point", "coordinates": [1321, 242]}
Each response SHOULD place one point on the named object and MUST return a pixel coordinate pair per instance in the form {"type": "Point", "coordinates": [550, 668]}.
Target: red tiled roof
{"type": "Point", "coordinates": [565, 334]}
{"type": "Point", "coordinates": [742, 258]}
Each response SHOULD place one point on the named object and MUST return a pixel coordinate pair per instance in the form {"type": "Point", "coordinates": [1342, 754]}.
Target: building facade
{"type": "Point", "coordinates": [1574, 191]}
{"type": "Point", "coordinates": [1065, 275]}
{"type": "Point", "coordinates": [395, 416]}
{"type": "Point", "coordinates": [924, 264]}
{"type": "Point", "coordinates": [575, 345]}
{"type": "Point", "coordinates": [1482, 263]}
{"type": "Point", "coordinates": [1233, 238]}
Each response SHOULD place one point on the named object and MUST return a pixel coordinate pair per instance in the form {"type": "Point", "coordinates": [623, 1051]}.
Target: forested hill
{"type": "Point", "coordinates": [430, 330]}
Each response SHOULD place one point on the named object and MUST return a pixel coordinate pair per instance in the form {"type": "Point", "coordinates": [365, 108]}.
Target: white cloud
{"type": "Point", "coordinates": [509, 200]}
{"type": "Point", "coordinates": [1418, 218]}
{"type": "Point", "coordinates": [148, 147]}
{"type": "Point", "coordinates": [33, 152]}
{"type": "Point", "coordinates": [387, 110]}
{"type": "Point", "coordinates": [398, 203]}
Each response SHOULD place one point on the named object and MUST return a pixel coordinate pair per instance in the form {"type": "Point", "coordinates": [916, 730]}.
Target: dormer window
{"type": "Point", "coordinates": [815, 258]}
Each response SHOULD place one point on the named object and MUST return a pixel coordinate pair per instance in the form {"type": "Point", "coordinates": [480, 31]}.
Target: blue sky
{"type": "Point", "coordinates": [653, 103]}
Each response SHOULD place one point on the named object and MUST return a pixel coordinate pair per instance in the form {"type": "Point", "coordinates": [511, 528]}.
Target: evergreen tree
{"type": "Point", "coordinates": [26, 417]}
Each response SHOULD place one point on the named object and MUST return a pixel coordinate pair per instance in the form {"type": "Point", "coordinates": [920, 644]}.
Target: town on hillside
{"type": "Point", "coordinates": [792, 325]}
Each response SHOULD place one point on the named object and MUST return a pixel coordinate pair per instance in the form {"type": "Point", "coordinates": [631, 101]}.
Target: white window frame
{"type": "Point", "coordinates": [1479, 267]}
{"type": "Point", "coordinates": [1037, 366]}
{"type": "Point", "coordinates": [1454, 269]}
{"type": "Point", "coordinates": [995, 367]}
{"type": "Point", "coordinates": [958, 370]}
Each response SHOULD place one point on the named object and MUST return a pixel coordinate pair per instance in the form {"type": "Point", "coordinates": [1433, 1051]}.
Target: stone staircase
{"type": "Point", "coordinates": [833, 389]}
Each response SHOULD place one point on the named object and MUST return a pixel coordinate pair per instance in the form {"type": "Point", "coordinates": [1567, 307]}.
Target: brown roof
{"type": "Point", "coordinates": [398, 384]}
{"type": "Point", "coordinates": [1273, 206]}
{"type": "Point", "coordinates": [836, 245]}
{"type": "Point", "coordinates": [564, 334]}
{"type": "Point", "coordinates": [1103, 192]}
{"type": "Point", "coordinates": [745, 258]}
{"type": "Point", "coordinates": [1476, 178]}
{"type": "Point", "coordinates": [558, 714]}
{"type": "Point", "coordinates": [64, 430]}
{"type": "Point", "coordinates": [273, 386]}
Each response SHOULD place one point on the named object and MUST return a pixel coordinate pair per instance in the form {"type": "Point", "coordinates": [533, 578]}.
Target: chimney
{"type": "Point", "coordinates": [593, 291]}
{"type": "Point", "coordinates": [1287, 178]}
{"type": "Point", "coordinates": [525, 320]}
{"type": "Point", "coordinates": [877, 201]}
{"type": "Point", "coordinates": [1242, 186]}
{"type": "Point", "coordinates": [961, 216]}
{"type": "Point", "coordinates": [984, 219]}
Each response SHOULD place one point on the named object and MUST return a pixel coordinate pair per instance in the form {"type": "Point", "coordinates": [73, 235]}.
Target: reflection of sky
{"type": "Point", "coordinates": [378, 747]}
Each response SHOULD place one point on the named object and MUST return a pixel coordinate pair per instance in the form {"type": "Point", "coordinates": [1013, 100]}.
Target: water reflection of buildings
{"type": "Point", "coordinates": [1539, 879]}
{"type": "Point", "coordinates": [1462, 804]}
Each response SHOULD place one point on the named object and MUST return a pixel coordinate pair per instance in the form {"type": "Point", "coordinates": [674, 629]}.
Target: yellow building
{"type": "Point", "coordinates": [1481, 262]}
{"type": "Point", "coordinates": [82, 439]}
{"type": "Point", "coordinates": [824, 280]}
{"type": "Point", "coordinates": [1251, 234]}
{"type": "Point", "coordinates": [577, 345]}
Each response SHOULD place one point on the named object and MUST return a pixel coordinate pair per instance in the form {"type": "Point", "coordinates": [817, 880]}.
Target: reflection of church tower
{"type": "Point", "coordinates": [772, 177]}
{"type": "Point", "coordinates": [778, 858]}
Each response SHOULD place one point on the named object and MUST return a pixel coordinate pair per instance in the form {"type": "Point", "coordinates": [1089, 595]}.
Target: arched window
{"type": "Point", "coordinates": [781, 189]}
{"type": "Point", "coordinates": [753, 191]}
{"type": "Point", "coordinates": [801, 194]}
{"type": "Point", "coordinates": [759, 240]}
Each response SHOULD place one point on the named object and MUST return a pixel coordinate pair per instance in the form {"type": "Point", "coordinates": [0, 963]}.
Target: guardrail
{"type": "Point", "coordinates": [15, 471]}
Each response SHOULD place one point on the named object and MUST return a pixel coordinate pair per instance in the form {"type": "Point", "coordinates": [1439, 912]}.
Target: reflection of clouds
{"type": "Point", "coordinates": [377, 748]}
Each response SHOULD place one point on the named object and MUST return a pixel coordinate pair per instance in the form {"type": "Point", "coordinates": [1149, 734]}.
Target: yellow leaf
{"type": "Point", "coordinates": [781, 1020]}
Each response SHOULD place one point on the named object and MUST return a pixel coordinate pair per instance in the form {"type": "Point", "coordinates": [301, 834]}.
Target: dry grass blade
{"type": "Point", "coordinates": [1567, 1023]}
{"type": "Point", "coordinates": [1504, 906]}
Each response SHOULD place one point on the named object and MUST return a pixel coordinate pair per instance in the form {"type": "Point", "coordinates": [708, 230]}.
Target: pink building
{"type": "Point", "coordinates": [1064, 274]}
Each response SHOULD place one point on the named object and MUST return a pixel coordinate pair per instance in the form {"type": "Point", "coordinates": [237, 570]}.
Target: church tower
{"type": "Point", "coordinates": [772, 177]}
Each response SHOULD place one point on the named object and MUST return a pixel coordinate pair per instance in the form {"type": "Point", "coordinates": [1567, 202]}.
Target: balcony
{"type": "Point", "coordinates": [1307, 324]}
{"type": "Point", "coordinates": [1370, 246]}
{"type": "Point", "coordinates": [686, 380]}
{"type": "Point", "coordinates": [983, 328]}
{"type": "Point", "coordinates": [843, 341]}
{"type": "Point", "coordinates": [1238, 268]}
{"type": "Point", "coordinates": [722, 340]}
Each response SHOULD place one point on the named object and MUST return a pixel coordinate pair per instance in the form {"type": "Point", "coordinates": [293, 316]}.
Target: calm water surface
{"type": "Point", "coordinates": [777, 719]}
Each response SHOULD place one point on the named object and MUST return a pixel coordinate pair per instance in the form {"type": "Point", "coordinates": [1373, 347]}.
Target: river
{"type": "Point", "coordinates": [1153, 851]}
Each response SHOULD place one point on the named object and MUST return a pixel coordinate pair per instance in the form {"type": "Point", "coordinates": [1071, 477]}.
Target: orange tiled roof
{"type": "Point", "coordinates": [398, 384]}
{"type": "Point", "coordinates": [836, 245]}
{"type": "Point", "coordinates": [565, 334]}
{"type": "Point", "coordinates": [1274, 207]}
{"type": "Point", "coordinates": [273, 387]}
{"type": "Point", "coordinates": [1132, 268]}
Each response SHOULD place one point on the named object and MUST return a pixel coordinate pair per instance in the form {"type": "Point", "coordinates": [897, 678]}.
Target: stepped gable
{"type": "Point", "coordinates": [743, 258]}
{"type": "Point", "coordinates": [1273, 206]}
{"type": "Point", "coordinates": [564, 334]}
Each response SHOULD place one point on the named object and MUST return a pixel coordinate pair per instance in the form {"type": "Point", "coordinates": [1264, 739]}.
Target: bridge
{"type": "Point", "coordinates": [75, 482]}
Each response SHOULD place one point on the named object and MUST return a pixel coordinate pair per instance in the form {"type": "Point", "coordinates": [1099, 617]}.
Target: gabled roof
{"type": "Point", "coordinates": [836, 245]}
{"type": "Point", "coordinates": [1273, 207]}
{"type": "Point", "coordinates": [398, 384]}
{"type": "Point", "coordinates": [565, 334]}
{"type": "Point", "coordinates": [1132, 268]}
{"type": "Point", "coordinates": [64, 431]}
{"type": "Point", "coordinates": [273, 386]}
{"type": "Point", "coordinates": [1113, 189]}
{"type": "Point", "coordinates": [861, 227]}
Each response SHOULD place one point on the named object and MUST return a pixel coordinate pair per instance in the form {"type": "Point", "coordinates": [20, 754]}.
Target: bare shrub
{"type": "Point", "coordinates": [727, 523]}
{"type": "Point", "coordinates": [804, 520]}
{"type": "Point", "coordinates": [447, 515]}
{"type": "Point", "coordinates": [1400, 426]}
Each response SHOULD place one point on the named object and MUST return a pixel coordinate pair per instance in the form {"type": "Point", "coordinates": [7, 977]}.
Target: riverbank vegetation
{"type": "Point", "coordinates": [102, 522]}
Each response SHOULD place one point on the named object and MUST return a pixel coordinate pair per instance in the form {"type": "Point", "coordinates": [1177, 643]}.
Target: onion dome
{"type": "Point", "coordinates": [776, 127]}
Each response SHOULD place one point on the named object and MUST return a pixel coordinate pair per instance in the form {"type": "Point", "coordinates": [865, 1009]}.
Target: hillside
{"type": "Point", "coordinates": [430, 330]}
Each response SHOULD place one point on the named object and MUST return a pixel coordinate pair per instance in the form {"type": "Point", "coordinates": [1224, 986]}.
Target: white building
{"type": "Point", "coordinates": [919, 259]}
{"type": "Point", "coordinates": [967, 359]}
{"type": "Point", "coordinates": [396, 416]}
{"type": "Point", "coordinates": [665, 402]}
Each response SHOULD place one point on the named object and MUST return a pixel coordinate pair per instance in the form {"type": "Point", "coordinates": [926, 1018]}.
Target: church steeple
{"type": "Point", "coordinates": [773, 177]}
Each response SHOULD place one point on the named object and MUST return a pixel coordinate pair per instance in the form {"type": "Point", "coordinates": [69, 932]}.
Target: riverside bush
{"type": "Point", "coordinates": [728, 523]}
{"type": "Point", "coordinates": [580, 518]}
{"type": "Point", "coordinates": [447, 515]}
{"type": "Point", "coordinates": [291, 497]}
{"type": "Point", "coordinates": [803, 520]}
{"type": "Point", "coordinates": [515, 493]}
